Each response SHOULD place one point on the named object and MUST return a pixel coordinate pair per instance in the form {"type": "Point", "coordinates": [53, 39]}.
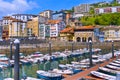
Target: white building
{"type": "Point", "coordinates": [47, 14]}
{"type": "Point", "coordinates": [55, 27]}
{"type": "Point", "coordinates": [51, 29]}
{"type": "Point", "coordinates": [107, 10]}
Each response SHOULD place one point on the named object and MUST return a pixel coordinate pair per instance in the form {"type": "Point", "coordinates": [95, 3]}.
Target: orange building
{"type": "Point", "coordinates": [33, 27]}
{"type": "Point", "coordinates": [67, 34]}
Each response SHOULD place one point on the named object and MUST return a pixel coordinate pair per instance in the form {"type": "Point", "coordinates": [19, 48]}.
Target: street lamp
{"type": "Point", "coordinates": [11, 50]}
{"type": "Point", "coordinates": [72, 46]}
{"type": "Point", "coordinates": [16, 60]}
{"type": "Point", "coordinates": [90, 53]}
{"type": "Point", "coordinates": [112, 49]}
{"type": "Point", "coordinates": [50, 48]}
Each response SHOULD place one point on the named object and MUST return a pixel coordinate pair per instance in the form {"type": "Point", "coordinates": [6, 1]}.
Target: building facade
{"type": "Point", "coordinates": [59, 15]}
{"type": "Point", "coordinates": [112, 33]}
{"type": "Point", "coordinates": [15, 29]}
{"type": "Point", "coordinates": [24, 17]}
{"type": "Point", "coordinates": [47, 14]}
{"type": "Point", "coordinates": [44, 31]}
{"type": "Point", "coordinates": [55, 27]}
{"type": "Point", "coordinates": [81, 10]}
{"type": "Point", "coordinates": [84, 34]}
{"type": "Point", "coordinates": [107, 10]}
{"type": "Point", "coordinates": [33, 27]}
{"type": "Point", "coordinates": [67, 34]}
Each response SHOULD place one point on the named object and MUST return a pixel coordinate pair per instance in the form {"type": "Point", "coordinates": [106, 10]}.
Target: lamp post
{"type": "Point", "coordinates": [50, 48]}
{"type": "Point", "coordinates": [11, 50]}
{"type": "Point", "coordinates": [16, 60]}
{"type": "Point", "coordinates": [112, 49]}
{"type": "Point", "coordinates": [90, 53]}
{"type": "Point", "coordinates": [72, 46]}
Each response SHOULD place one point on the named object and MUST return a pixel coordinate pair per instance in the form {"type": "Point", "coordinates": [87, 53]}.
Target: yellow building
{"type": "Point", "coordinates": [33, 27]}
{"type": "Point", "coordinates": [67, 34]}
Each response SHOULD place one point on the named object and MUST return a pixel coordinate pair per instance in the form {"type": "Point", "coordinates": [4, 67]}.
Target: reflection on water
{"type": "Point", "coordinates": [30, 70]}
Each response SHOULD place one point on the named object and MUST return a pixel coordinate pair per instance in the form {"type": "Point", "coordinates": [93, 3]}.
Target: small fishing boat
{"type": "Point", "coordinates": [3, 58]}
{"type": "Point", "coordinates": [66, 71]}
{"type": "Point", "coordinates": [118, 62]}
{"type": "Point", "coordinates": [114, 64]}
{"type": "Point", "coordinates": [23, 61]}
{"type": "Point", "coordinates": [102, 75]}
{"type": "Point", "coordinates": [28, 78]}
{"type": "Point", "coordinates": [8, 79]}
{"type": "Point", "coordinates": [113, 67]}
{"type": "Point", "coordinates": [36, 54]}
{"type": "Point", "coordinates": [107, 70]}
{"type": "Point", "coordinates": [4, 64]}
{"type": "Point", "coordinates": [47, 75]}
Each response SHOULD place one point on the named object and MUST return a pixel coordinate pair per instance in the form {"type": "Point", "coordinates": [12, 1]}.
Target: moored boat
{"type": "Point", "coordinates": [102, 75]}
{"type": "Point", "coordinates": [48, 75]}
{"type": "Point", "coordinates": [67, 71]}
{"type": "Point", "coordinates": [3, 58]}
{"type": "Point", "coordinates": [113, 67]}
{"type": "Point", "coordinates": [109, 71]}
{"type": "Point", "coordinates": [115, 64]}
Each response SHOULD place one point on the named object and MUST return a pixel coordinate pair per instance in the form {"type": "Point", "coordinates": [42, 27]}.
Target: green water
{"type": "Point", "coordinates": [30, 70]}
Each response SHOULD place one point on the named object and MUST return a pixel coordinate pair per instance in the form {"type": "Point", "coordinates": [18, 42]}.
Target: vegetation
{"type": "Point", "coordinates": [106, 4]}
{"type": "Point", "coordinates": [102, 19]}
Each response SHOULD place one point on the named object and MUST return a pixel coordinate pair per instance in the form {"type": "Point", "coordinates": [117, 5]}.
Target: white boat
{"type": "Point", "coordinates": [67, 71]}
{"type": "Point", "coordinates": [36, 54]}
{"type": "Point", "coordinates": [108, 70]}
{"type": "Point", "coordinates": [28, 78]}
{"type": "Point", "coordinates": [113, 67]}
{"type": "Point", "coordinates": [48, 75]}
{"type": "Point", "coordinates": [115, 64]}
{"type": "Point", "coordinates": [3, 57]}
{"type": "Point", "coordinates": [24, 61]}
{"type": "Point", "coordinates": [116, 61]}
{"type": "Point", "coordinates": [8, 79]}
{"type": "Point", "coordinates": [102, 75]}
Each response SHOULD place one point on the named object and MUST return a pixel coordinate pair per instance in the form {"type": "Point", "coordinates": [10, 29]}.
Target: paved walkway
{"type": "Point", "coordinates": [85, 73]}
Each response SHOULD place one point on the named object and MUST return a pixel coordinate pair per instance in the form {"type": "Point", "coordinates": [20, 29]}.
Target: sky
{"type": "Point", "coordinates": [9, 7]}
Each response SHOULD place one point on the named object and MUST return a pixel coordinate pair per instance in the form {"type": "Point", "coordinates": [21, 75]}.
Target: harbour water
{"type": "Point", "coordinates": [30, 69]}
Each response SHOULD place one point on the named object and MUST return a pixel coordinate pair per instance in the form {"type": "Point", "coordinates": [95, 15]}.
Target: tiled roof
{"type": "Point", "coordinates": [10, 18]}
{"type": "Point", "coordinates": [67, 30]}
{"type": "Point", "coordinates": [53, 21]}
{"type": "Point", "coordinates": [85, 27]}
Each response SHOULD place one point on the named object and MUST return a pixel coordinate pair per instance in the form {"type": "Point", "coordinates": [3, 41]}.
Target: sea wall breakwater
{"type": "Point", "coordinates": [57, 46]}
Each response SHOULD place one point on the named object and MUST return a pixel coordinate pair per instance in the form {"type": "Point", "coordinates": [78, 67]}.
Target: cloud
{"type": "Point", "coordinates": [16, 6]}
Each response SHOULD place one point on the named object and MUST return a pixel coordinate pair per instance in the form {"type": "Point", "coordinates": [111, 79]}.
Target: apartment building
{"type": "Point", "coordinates": [32, 27]}
{"type": "Point", "coordinates": [44, 31]}
{"type": "Point", "coordinates": [47, 14]}
{"type": "Point", "coordinates": [55, 27]}
{"type": "Point", "coordinates": [23, 17]}
{"type": "Point", "coordinates": [81, 10]}
{"type": "Point", "coordinates": [107, 10]}
{"type": "Point", "coordinates": [111, 33]}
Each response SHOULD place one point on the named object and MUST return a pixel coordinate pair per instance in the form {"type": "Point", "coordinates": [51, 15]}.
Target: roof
{"type": "Point", "coordinates": [11, 18]}
{"type": "Point", "coordinates": [67, 30]}
{"type": "Point", "coordinates": [53, 21]}
{"type": "Point", "coordinates": [85, 27]}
